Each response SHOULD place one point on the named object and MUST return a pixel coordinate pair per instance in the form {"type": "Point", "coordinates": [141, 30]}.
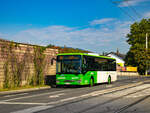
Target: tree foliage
{"type": "Point", "coordinates": [137, 54]}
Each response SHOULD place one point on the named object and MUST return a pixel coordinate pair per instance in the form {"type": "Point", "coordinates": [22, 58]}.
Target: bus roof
{"type": "Point", "coordinates": [84, 54]}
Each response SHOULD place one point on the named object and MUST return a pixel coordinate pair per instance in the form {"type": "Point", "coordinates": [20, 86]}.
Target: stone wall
{"type": "Point", "coordinates": [19, 59]}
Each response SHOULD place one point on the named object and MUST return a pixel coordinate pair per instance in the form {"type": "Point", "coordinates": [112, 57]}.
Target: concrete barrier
{"type": "Point", "coordinates": [128, 73]}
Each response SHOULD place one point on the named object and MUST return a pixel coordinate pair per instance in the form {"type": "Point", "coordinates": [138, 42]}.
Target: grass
{"type": "Point", "coordinates": [23, 87]}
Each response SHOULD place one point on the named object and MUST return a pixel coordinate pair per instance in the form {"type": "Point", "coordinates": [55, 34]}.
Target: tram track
{"type": "Point", "coordinates": [114, 99]}
{"type": "Point", "coordinates": [132, 104]}
{"type": "Point", "coordinates": [87, 98]}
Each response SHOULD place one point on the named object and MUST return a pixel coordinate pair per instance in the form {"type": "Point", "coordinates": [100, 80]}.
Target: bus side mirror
{"type": "Point", "coordinates": [52, 61]}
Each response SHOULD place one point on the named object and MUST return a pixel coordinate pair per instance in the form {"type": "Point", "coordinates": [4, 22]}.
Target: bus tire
{"type": "Point", "coordinates": [109, 80]}
{"type": "Point", "coordinates": [57, 86]}
{"type": "Point", "coordinates": [91, 82]}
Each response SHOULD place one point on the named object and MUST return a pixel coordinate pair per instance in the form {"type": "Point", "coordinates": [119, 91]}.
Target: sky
{"type": "Point", "coordinates": [94, 25]}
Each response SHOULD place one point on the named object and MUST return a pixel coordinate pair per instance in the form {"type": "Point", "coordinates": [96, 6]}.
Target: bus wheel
{"type": "Point", "coordinates": [109, 80]}
{"type": "Point", "coordinates": [57, 86]}
{"type": "Point", "coordinates": [91, 82]}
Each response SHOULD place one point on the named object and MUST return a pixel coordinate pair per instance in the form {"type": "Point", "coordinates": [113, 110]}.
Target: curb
{"type": "Point", "coordinates": [24, 90]}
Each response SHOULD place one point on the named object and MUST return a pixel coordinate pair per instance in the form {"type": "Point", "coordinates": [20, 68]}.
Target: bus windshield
{"type": "Point", "coordinates": [68, 64]}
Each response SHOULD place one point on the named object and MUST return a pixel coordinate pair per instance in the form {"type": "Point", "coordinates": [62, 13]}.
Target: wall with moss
{"type": "Point", "coordinates": [23, 64]}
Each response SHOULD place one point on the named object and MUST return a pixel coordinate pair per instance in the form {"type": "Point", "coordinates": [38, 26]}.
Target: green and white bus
{"type": "Point", "coordinates": [84, 69]}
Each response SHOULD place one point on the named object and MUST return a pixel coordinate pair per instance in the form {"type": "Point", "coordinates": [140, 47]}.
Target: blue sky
{"type": "Point", "coordinates": [95, 25]}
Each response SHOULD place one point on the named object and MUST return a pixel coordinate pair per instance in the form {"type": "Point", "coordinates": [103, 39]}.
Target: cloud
{"type": "Point", "coordinates": [101, 21]}
{"type": "Point", "coordinates": [90, 38]}
{"type": "Point", "coordinates": [3, 35]}
{"type": "Point", "coordinates": [147, 15]}
{"type": "Point", "coordinates": [127, 3]}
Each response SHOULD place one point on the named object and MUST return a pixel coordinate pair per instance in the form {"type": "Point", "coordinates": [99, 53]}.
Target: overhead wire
{"type": "Point", "coordinates": [124, 11]}
{"type": "Point", "coordinates": [132, 8]}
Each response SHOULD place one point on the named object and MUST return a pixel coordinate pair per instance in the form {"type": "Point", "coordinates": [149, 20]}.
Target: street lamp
{"type": "Point", "coordinates": [146, 72]}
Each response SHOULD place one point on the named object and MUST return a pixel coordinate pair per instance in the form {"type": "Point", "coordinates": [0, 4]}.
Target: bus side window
{"type": "Point", "coordinates": [97, 66]}
{"type": "Point", "coordinates": [89, 63]}
{"type": "Point", "coordinates": [104, 64]}
{"type": "Point", "coordinates": [112, 65]}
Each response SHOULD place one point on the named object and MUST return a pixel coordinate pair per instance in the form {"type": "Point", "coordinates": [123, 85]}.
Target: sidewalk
{"type": "Point", "coordinates": [23, 90]}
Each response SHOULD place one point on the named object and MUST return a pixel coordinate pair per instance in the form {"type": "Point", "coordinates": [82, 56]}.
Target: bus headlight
{"type": "Point", "coordinates": [79, 81]}
{"type": "Point", "coordinates": [57, 81]}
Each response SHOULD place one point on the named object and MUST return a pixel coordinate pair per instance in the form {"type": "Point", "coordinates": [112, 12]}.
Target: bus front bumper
{"type": "Point", "coordinates": [69, 82]}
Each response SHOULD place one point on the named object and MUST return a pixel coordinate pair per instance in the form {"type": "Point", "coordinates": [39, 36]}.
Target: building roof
{"type": "Point", "coordinates": [122, 56]}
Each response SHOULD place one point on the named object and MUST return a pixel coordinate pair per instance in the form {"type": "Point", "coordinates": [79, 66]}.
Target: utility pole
{"type": "Point", "coordinates": [146, 53]}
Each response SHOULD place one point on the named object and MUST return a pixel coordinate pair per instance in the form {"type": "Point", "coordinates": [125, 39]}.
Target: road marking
{"type": "Point", "coordinates": [33, 96]}
{"type": "Point", "coordinates": [134, 81]}
{"type": "Point", "coordinates": [33, 109]}
{"type": "Point", "coordinates": [56, 96]}
{"type": "Point", "coordinates": [109, 86]}
{"type": "Point", "coordinates": [67, 99]}
{"type": "Point", "coordinates": [16, 95]}
{"type": "Point", "coordinates": [23, 103]}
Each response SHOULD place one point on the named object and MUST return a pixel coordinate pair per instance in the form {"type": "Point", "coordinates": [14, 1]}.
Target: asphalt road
{"type": "Point", "coordinates": [130, 95]}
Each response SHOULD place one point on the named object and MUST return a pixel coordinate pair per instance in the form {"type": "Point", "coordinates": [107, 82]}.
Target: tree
{"type": "Point", "coordinates": [137, 54]}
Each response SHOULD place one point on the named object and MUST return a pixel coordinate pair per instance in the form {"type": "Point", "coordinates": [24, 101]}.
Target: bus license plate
{"type": "Point", "coordinates": [67, 83]}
